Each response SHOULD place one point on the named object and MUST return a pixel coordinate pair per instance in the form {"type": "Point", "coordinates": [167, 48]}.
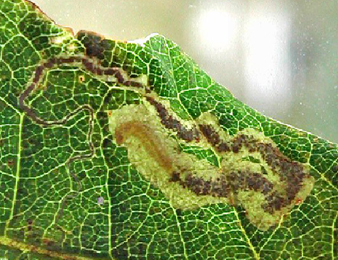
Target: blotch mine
{"type": "Point", "coordinates": [154, 152]}
{"type": "Point", "coordinates": [268, 184]}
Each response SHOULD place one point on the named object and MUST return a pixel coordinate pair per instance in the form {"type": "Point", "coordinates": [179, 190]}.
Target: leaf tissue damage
{"type": "Point", "coordinates": [128, 150]}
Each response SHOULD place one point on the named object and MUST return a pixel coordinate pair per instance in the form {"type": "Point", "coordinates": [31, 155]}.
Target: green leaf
{"type": "Point", "coordinates": [128, 150]}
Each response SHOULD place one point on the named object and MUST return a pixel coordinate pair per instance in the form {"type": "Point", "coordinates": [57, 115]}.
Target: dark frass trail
{"type": "Point", "coordinates": [121, 150]}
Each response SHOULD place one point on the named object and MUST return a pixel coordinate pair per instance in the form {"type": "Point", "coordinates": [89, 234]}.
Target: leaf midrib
{"type": "Point", "coordinates": [24, 247]}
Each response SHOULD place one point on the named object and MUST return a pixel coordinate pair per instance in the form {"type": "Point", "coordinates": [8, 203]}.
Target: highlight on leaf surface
{"type": "Point", "coordinates": [128, 150]}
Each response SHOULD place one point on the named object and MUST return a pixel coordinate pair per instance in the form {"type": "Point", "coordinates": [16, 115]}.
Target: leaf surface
{"type": "Point", "coordinates": [128, 150]}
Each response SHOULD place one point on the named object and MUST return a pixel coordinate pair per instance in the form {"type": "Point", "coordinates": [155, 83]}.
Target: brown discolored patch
{"type": "Point", "coordinates": [93, 43]}
{"type": "Point", "coordinates": [257, 182]}
{"type": "Point", "coordinates": [245, 180]}
{"type": "Point", "coordinates": [171, 123]}
{"type": "Point", "coordinates": [175, 177]}
{"type": "Point", "coordinates": [298, 202]}
{"type": "Point", "coordinates": [238, 142]}
{"type": "Point", "coordinates": [220, 187]}
{"type": "Point", "coordinates": [275, 201]}
{"type": "Point", "coordinates": [223, 147]}
{"type": "Point", "coordinates": [217, 188]}
{"type": "Point", "coordinates": [214, 139]}
{"type": "Point", "coordinates": [197, 185]}
{"type": "Point", "coordinates": [235, 182]}
{"type": "Point", "coordinates": [81, 78]}
{"type": "Point", "coordinates": [211, 135]}
{"type": "Point", "coordinates": [291, 173]}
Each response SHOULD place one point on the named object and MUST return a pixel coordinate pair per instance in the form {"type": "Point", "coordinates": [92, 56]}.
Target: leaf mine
{"type": "Point", "coordinates": [128, 150]}
{"type": "Point", "coordinates": [267, 188]}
